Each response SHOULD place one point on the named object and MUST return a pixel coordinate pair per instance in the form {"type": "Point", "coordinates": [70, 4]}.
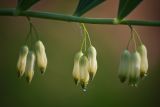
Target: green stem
{"type": "Point", "coordinates": [83, 43]}
{"type": "Point", "coordinates": [84, 37]}
{"type": "Point", "coordinates": [138, 36]}
{"type": "Point", "coordinates": [36, 32]}
{"type": "Point", "coordinates": [29, 33]}
{"type": "Point", "coordinates": [132, 38]}
{"type": "Point", "coordinates": [70, 18]}
{"type": "Point", "coordinates": [34, 28]}
{"type": "Point", "coordinates": [86, 33]}
{"type": "Point", "coordinates": [135, 44]}
{"type": "Point", "coordinates": [129, 42]}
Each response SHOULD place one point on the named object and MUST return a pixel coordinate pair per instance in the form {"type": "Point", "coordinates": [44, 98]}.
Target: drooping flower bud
{"type": "Point", "coordinates": [134, 73]}
{"type": "Point", "coordinates": [92, 54]}
{"type": "Point", "coordinates": [124, 67]}
{"type": "Point", "coordinates": [144, 60]}
{"type": "Point", "coordinates": [76, 72]}
{"type": "Point", "coordinates": [41, 56]}
{"type": "Point", "coordinates": [30, 66]}
{"type": "Point", "coordinates": [21, 65]}
{"type": "Point", "coordinates": [84, 74]}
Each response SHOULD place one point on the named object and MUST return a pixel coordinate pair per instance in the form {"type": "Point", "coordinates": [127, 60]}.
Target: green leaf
{"type": "Point", "coordinates": [126, 7]}
{"type": "Point", "coordinates": [23, 5]}
{"type": "Point", "coordinates": [86, 5]}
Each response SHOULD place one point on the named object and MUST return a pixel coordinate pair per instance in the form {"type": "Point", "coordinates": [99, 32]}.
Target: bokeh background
{"type": "Point", "coordinates": [62, 40]}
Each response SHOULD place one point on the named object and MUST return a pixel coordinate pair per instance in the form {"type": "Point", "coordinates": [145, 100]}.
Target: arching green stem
{"type": "Point", "coordinates": [70, 18]}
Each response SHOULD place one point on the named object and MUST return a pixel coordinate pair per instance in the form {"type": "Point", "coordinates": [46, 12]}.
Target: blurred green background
{"type": "Point", "coordinates": [62, 40]}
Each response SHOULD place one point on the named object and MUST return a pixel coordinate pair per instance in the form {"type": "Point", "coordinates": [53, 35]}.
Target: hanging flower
{"type": "Point", "coordinates": [21, 65]}
{"type": "Point", "coordinates": [84, 74]}
{"type": "Point", "coordinates": [41, 56]}
{"type": "Point", "coordinates": [30, 66]}
{"type": "Point", "coordinates": [134, 73]}
{"type": "Point", "coordinates": [92, 54]}
{"type": "Point", "coordinates": [144, 60]}
{"type": "Point", "coordinates": [76, 72]}
{"type": "Point", "coordinates": [124, 67]}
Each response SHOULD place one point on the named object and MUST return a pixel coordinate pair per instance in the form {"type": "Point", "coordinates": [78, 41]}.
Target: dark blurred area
{"type": "Point", "coordinates": [62, 40]}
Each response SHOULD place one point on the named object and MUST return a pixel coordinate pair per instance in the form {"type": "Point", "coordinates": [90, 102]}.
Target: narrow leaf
{"type": "Point", "coordinates": [86, 5]}
{"type": "Point", "coordinates": [23, 5]}
{"type": "Point", "coordinates": [126, 7]}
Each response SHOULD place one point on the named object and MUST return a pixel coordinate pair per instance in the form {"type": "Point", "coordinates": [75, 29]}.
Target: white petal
{"type": "Point", "coordinates": [84, 74]}
{"type": "Point", "coordinates": [124, 67]}
{"type": "Point", "coordinates": [144, 60]}
{"type": "Point", "coordinates": [21, 65]}
{"type": "Point", "coordinates": [41, 56]}
{"type": "Point", "coordinates": [76, 72]}
{"type": "Point", "coordinates": [92, 54]}
{"type": "Point", "coordinates": [134, 74]}
{"type": "Point", "coordinates": [30, 66]}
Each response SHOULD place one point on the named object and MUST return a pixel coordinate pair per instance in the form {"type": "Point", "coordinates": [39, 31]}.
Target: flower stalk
{"type": "Point", "coordinates": [70, 18]}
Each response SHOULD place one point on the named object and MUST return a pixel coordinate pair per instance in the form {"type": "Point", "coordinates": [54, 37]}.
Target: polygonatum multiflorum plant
{"type": "Point", "coordinates": [33, 51]}
{"type": "Point", "coordinates": [133, 65]}
{"type": "Point", "coordinates": [85, 61]}
{"type": "Point", "coordinates": [133, 62]}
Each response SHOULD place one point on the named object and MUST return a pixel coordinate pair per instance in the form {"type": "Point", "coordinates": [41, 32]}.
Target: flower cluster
{"type": "Point", "coordinates": [85, 63]}
{"type": "Point", "coordinates": [28, 56]}
{"type": "Point", "coordinates": [133, 66]}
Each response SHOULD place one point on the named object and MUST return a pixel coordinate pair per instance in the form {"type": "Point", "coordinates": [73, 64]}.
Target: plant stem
{"type": "Point", "coordinates": [138, 37]}
{"type": "Point", "coordinates": [70, 18]}
{"type": "Point", "coordinates": [86, 33]}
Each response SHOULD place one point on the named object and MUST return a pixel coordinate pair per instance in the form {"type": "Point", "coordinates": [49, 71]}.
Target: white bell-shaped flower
{"type": "Point", "coordinates": [84, 74]}
{"type": "Point", "coordinates": [124, 67]}
{"type": "Point", "coordinates": [134, 74]}
{"type": "Point", "coordinates": [76, 72]}
{"type": "Point", "coordinates": [92, 59]}
{"type": "Point", "coordinates": [41, 56]}
{"type": "Point", "coordinates": [30, 66]}
{"type": "Point", "coordinates": [21, 65]}
{"type": "Point", "coordinates": [144, 60]}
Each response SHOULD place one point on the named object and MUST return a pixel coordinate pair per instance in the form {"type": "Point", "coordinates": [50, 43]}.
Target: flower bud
{"type": "Point", "coordinates": [124, 67]}
{"type": "Point", "coordinates": [134, 73]}
{"type": "Point", "coordinates": [30, 66]}
{"type": "Point", "coordinates": [76, 72]}
{"type": "Point", "coordinates": [41, 56]}
{"type": "Point", "coordinates": [92, 54]}
{"type": "Point", "coordinates": [21, 65]}
{"type": "Point", "coordinates": [84, 74]}
{"type": "Point", "coordinates": [144, 60]}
